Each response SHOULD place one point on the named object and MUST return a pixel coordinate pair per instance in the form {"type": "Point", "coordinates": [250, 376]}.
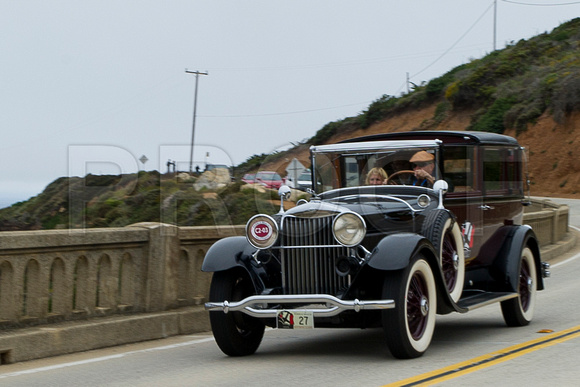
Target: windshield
{"type": "Point", "coordinates": [268, 176]}
{"type": "Point", "coordinates": [381, 162]}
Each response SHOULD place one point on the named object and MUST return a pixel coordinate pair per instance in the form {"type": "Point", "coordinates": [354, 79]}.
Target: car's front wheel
{"type": "Point", "coordinates": [236, 333]}
{"type": "Point", "coordinates": [443, 231]}
{"type": "Point", "coordinates": [519, 311]}
{"type": "Point", "coordinates": [409, 326]}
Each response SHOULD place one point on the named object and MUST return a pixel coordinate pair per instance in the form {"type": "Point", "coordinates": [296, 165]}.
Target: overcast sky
{"type": "Point", "coordinates": [92, 86]}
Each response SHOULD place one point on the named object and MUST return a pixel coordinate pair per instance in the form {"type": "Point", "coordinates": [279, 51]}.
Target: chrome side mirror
{"type": "Point", "coordinates": [441, 187]}
{"type": "Point", "coordinates": [284, 192]}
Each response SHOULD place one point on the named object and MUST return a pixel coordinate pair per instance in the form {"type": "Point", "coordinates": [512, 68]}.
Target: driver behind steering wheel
{"type": "Point", "coordinates": [423, 167]}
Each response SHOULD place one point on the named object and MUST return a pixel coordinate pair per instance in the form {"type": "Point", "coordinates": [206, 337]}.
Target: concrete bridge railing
{"type": "Point", "coordinates": [548, 220]}
{"type": "Point", "coordinates": [67, 275]}
{"type": "Point", "coordinates": [61, 275]}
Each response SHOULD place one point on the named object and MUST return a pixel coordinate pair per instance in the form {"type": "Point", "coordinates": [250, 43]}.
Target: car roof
{"type": "Point", "coordinates": [370, 145]}
{"type": "Point", "coordinates": [447, 137]}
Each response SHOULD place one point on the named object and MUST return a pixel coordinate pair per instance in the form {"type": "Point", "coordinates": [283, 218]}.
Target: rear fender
{"type": "Point", "coordinates": [508, 259]}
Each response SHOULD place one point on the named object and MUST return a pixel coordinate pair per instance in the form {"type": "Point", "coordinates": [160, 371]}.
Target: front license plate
{"type": "Point", "coordinates": [298, 319]}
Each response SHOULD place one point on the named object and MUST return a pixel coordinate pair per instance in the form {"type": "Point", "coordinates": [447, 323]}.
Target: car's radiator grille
{"type": "Point", "coordinates": [310, 269]}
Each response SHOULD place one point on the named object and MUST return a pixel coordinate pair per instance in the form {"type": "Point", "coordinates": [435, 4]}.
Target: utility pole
{"type": "Point", "coordinates": [494, 22]}
{"type": "Point", "coordinates": [197, 74]}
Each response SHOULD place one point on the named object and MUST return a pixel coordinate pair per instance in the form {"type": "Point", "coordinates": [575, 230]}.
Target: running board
{"type": "Point", "coordinates": [483, 299]}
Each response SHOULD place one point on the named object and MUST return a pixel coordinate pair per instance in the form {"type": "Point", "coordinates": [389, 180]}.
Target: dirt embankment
{"type": "Point", "coordinates": [554, 149]}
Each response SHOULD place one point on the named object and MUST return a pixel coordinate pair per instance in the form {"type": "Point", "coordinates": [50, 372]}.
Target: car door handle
{"type": "Point", "coordinates": [485, 207]}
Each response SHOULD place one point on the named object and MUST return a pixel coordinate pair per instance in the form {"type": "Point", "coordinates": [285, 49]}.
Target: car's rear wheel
{"type": "Point", "coordinates": [236, 333]}
{"type": "Point", "coordinates": [409, 326]}
{"type": "Point", "coordinates": [520, 311]}
{"type": "Point", "coordinates": [443, 231]}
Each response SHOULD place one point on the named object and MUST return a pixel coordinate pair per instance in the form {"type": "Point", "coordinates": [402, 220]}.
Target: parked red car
{"type": "Point", "coordinates": [269, 179]}
{"type": "Point", "coordinates": [249, 178]}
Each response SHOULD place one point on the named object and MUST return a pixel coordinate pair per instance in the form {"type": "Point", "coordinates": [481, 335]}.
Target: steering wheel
{"type": "Point", "coordinates": [398, 175]}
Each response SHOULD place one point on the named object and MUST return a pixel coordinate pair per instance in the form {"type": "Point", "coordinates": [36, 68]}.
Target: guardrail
{"type": "Point", "coordinates": [64, 275]}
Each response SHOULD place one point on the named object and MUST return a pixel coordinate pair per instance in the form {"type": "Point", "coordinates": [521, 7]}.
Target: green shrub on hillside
{"type": "Point", "coordinates": [327, 131]}
{"type": "Point", "coordinates": [146, 197]}
{"type": "Point", "coordinates": [492, 120]}
{"type": "Point", "coordinates": [377, 111]}
{"type": "Point", "coordinates": [566, 96]}
{"type": "Point", "coordinates": [437, 86]}
{"type": "Point", "coordinates": [441, 112]}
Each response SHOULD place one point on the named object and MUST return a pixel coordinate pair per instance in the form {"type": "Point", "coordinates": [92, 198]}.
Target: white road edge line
{"type": "Point", "coordinates": [104, 358]}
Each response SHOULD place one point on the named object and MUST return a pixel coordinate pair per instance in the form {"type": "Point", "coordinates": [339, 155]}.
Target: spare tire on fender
{"type": "Point", "coordinates": [441, 228]}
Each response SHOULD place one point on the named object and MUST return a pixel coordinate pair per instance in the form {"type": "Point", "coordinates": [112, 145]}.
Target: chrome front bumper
{"type": "Point", "coordinates": [321, 305]}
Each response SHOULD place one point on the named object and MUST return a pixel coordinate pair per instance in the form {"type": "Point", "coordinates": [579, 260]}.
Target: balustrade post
{"type": "Point", "coordinates": [162, 257]}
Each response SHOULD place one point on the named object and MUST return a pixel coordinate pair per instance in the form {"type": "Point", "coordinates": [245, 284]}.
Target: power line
{"type": "Point", "coordinates": [356, 62]}
{"type": "Point", "coordinates": [283, 113]}
{"type": "Point", "coordinates": [456, 42]}
{"type": "Point", "coordinates": [541, 5]}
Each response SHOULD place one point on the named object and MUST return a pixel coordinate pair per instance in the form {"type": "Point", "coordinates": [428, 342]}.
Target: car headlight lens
{"type": "Point", "coordinates": [349, 229]}
{"type": "Point", "coordinates": [261, 231]}
{"type": "Point", "coordinates": [423, 201]}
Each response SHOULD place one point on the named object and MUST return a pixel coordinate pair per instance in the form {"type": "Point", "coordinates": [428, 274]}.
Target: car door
{"type": "Point", "coordinates": [503, 188]}
{"type": "Point", "coordinates": [461, 169]}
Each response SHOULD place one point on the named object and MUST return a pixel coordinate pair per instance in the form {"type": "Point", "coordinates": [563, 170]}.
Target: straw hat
{"type": "Point", "coordinates": [422, 157]}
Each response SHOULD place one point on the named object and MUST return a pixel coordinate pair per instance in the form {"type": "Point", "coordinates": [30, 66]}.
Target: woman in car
{"type": "Point", "coordinates": [376, 176]}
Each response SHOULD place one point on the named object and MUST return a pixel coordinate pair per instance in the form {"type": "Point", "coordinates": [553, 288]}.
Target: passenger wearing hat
{"type": "Point", "coordinates": [423, 166]}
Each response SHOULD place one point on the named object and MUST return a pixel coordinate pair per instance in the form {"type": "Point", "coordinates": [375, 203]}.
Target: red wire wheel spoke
{"type": "Point", "coordinates": [416, 315]}
{"type": "Point", "coordinates": [524, 285]}
{"type": "Point", "coordinates": [447, 261]}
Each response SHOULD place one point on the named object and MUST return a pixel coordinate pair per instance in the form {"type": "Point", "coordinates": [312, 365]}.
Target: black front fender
{"type": "Point", "coordinates": [227, 253]}
{"type": "Point", "coordinates": [394, 251]}
{"type": "Point", "coordinates": [236, 252]}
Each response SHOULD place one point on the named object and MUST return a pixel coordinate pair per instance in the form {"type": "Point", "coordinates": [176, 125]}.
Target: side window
{"type": "Point", "coordinates": [351, 173]}
{"type": "Point", "coordinates": [502, 171]}
{"type": "Point", "coordinates": [492, 170]}
{"type": "Point", "coordinates": [515, 167]}
{"type": "Point", "coordinates": [458, 168]}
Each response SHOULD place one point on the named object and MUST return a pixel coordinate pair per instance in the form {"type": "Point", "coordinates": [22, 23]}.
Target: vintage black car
{"type": "Point", "coordinates": [391, 255]}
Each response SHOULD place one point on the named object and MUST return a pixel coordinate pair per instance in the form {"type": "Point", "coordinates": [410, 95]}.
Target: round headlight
{"type": "Point", "coordinates": [349, 229]}
{"type": "Point", "coordinates": [423, 200]}
{"type": "Point", "coordinates": [261, 231]}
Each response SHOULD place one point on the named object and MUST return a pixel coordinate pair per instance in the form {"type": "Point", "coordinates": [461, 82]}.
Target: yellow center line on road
{"type": "Point", "coordinates": [488, 360]}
